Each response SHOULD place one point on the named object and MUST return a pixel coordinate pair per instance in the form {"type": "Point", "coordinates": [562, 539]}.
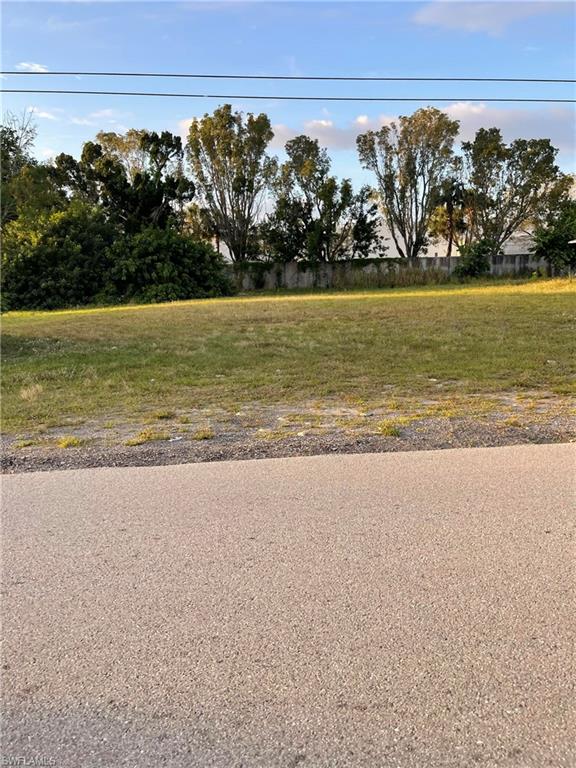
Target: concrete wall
{"type": "Point", "coordinates": [372, 274]}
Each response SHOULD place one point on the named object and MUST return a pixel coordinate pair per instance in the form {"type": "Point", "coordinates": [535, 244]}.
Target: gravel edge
{"type": "Point", "coordinates": [434, 435]}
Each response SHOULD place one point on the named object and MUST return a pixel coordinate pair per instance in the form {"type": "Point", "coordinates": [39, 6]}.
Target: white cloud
{"type": "Point", "coordinates": [43, 114]}
{"type": "Point", "coordinates": [98, 118]}
{"type": "Point", "coordinates": [555, 123]}
{"type": "Point", "coordinates": [490, 17]}
{"type": "Point", "coordinates": [103, 113]}
{"type": "Point", "coordinates": [328, 133]}
{"type": "Point", "coordinates": [184, 126]}
{"type": "Point", "coordinates": [31, 66]}
{"type": "Point", "coordinates": [48, 153]}
{"type": "Point", "coordinates": [312, 124]}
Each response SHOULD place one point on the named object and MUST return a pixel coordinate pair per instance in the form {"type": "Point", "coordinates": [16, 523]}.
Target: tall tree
{"type": "Point", "coordinates": [127, 148]}
{"type": "Point", "coordinates": [411, 159]}
{"type": "Point", "coordinates": [154, 196]}
{"type": "Point", "coordinates": [17, 136]}
{"type": "Point", "coordinates": [315, 216]}
{"type": "Point", "coordinates": [227, 156]}
{"type": "Point", "coordinates": [509, 185]}
{"type": "Point", "coordinates": [35, 194]}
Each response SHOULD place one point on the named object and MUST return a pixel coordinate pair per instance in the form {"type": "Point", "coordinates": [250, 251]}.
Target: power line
{"type": "Point", "coordinates": [301, 77]}
{"type": "Point", "coordinates": [272, 97]}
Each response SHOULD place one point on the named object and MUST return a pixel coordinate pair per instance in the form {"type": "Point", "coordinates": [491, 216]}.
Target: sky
{"type": "Point", "coordinates": [442, 38]}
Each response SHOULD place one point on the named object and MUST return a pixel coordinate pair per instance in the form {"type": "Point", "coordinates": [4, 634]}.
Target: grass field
{"type": "Point", "coordinates": [159, 363]}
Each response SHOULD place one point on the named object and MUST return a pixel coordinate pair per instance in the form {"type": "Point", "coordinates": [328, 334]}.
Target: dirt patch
{"type": "Point", "coordinates": [273, 432]}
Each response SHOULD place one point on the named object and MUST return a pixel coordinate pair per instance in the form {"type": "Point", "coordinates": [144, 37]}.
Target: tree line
{"type": "Point", "coordinates": [137, 216]}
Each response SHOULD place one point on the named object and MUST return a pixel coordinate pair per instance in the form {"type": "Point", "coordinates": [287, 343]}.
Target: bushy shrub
{"type": "Point", "coordinates": [552, 239]}
{"type": "Point", "coordinates": [78, 257]}
{"type": "Point", "coordinates": [474, 259]}
{"type": "Point", "coordinates": [62, 263]}
{"type": "Point", "coordinates": [162, 265]}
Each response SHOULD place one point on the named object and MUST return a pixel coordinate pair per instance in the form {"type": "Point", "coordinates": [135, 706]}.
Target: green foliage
{"type": "Point", "coordinates": [104, 228]}
{"type": "Point", "coordinates": [162, 265]}
{"type": "Point", "coordinates": [63, 263]}
{"type": "Point", "coordinates": [447, 220]}
{"type": "Point", "coordinates": [152, 193]}
{"type": "Point", "coordinates": [35, 193]}
{"type": "Point", "coordinates": [227, 156]}
{"type": "Point", "coordinates": [78, 257]}
{"type": "Point", "coordinates": [17, 136]}
{"type": "Point", "coordinates": [127, 148]}
{"type": "Point", "coordinates": [118, 223]}
{"type": "Point", "coordinates": [552, 238]}
{"type": "Point", "coordinates": [508, 186]}
{"type": "Point", "coordinates": [316, 218]}
{"type": "Point", "coordinates": [411, 160]}
{"type": "Point", "coordinates": [198, 223]}
{"type": "Point", "coordinates": [475, 258]}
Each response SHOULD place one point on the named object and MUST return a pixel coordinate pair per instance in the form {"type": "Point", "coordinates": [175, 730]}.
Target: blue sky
{"type": "Point", "coordinates": [491, 39]}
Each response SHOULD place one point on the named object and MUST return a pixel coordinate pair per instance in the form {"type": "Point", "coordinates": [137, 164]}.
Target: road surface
{"type": "Point", "coordinates": [407, 610]}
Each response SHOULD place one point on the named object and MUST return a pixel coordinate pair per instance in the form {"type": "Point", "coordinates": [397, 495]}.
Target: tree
{"type": "Point", "coordinates": [154, 196]}
{"type": "Point", "coordinates": [510, 186]}
{"type": "Point", "coordinates": [316, 217]}
{"type": "Point", "coordinates": [17, 136]}
{"type": "Point", "coordinates": [35, 194]}
{"type": "Point", "coordinates": [411, 159]}
{"type": "Point", "coordinates": [552, 238]}
{"type": "Point", "coordinates": [199, 224]}
{"type": "Point", "coordinates": [448, 217]}
{"type": "Point", "coordinates": [227, 156]}
{"type": "Point", "coordinates": [127, 148]}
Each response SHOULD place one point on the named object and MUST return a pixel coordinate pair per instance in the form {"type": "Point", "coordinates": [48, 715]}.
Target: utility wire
{"type": "Point", "coordinates": [272, 97]}
{"type": "Point", "coordinates": [301, 77]}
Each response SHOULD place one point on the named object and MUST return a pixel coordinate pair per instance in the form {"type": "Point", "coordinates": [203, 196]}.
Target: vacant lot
{"type": "Point", "coordinates": [268, 364]}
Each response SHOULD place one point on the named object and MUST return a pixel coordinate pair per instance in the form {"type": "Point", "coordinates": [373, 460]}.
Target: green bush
{"type": "Point", "coordinates": [552, 240]}
{"type": "Point", "coordinates": [162, 265]}
{"type": "Point", "coordinates": [474, 259]}
{"type": "Point", "coordinates": [62, 263]}
{"type": "Point", "coordinates": [77, 257]}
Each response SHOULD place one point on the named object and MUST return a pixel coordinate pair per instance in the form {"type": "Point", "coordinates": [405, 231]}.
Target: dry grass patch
{"type": "Point", "coordinates": [31, 393]}
{"type": "Point", "coordinates": [511, 421]}
{"type": "Point", "coordinates": [147, 436]}
{"type": "Point", "coordinates": [389, 427]}
{"type": "Point", "coordinates": [352, 422]}
{"type": "Point", "coordinates": [204, 433]}
{"type": "Point", "coordinates": [163, 415]}
{"type": "Point", "coordinates": [272, 434]}
{"type": "Point", "coordinates": [69, 441]}
{"type": "Point", "coordinates": [26, 443]}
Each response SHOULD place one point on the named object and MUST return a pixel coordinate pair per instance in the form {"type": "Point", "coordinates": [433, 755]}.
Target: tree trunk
{"type": "Point", "coordinates": [449, 252]}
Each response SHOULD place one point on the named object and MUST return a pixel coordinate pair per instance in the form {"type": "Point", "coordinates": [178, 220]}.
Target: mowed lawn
{"type": "Point", "coordinates": [364, 347]}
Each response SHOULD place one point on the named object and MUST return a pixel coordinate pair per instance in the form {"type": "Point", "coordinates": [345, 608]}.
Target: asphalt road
{"type": "Point", "coordinates": [411, 609]}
